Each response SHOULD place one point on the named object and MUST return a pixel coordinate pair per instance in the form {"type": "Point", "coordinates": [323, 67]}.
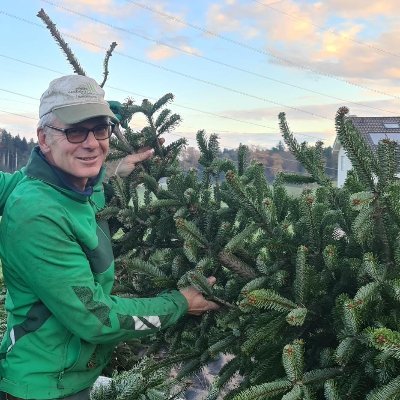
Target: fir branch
{"type": "Point", "coordinates": [331, 390]}
{"type": "Point", "coordinates": [301, 278]}
{"type": "Point", "coordinates": [310, 158]}
{"type": "Point", "coordinates": [243, 159]}
{"type": "Point", "coordinates": [269, 331]}
{"type": "Point", "coordinates": [172, 122]}
{"type": "Point", "coordinates": [238, 190]}
{"type": "Point", "coordinates": [385, 340]}
{"type": "Point", "coordinates": [387, 153]}
{"type": "Point", "coordinates": [63, 45]}
{"type": "Point", "coordinates": [389, 391]}
{"type": "Point", "coordinates": [359, 152]}
{"type": "Point", "coordinates": [318, 376]}
{"type": "Point", "coordinates": [265, 391]}
{"type": "Point", "coordinates": [124, 144]}
{"type": "Point", "coordinates": [294, 179]}
{"type": "Point", "coordinates": [346, 350]}
{"type": "Point", "coordinates": [239, 239]}
{"type": "Point", "coordinates": [293, 360]}
{"type": "Point", "coordinates": [366, 294]}
{"type": "Point", "coordinates": [106, 61]}
{"type": "Point", "coordinates": [228, 371]}
{"type": "Point", "coordinates": [267, 299]}
{"type": "Point", "coordinates": [223, 346]}
{"type": "Point", "coordinates": [200, 282]}
{"type": "Point", "coordinates": [233, 263]}
{"type": "Point", "coordinates": [295, 394]}
{"type": "Point", "coordinates": [161, 102]}
{"type": "Point", "coordinates": [190, 232]}
{"type": "Point", "coordinates": [256, 283]}
{"type": "Point", "coordinates": [297, 316]}
{"type": "Point", "coordinates": [147, 268]}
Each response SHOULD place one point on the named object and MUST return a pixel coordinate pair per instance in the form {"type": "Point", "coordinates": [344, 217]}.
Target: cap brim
{"type": "Point", "coordinates": [81, 112]}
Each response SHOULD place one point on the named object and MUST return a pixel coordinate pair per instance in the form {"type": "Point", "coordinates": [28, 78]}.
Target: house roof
{"type": "Point", "coordinates": [374, 129]}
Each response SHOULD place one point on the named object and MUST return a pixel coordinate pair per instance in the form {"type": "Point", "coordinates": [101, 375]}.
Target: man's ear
{"type": "Point", "coordinates": [42, 136]}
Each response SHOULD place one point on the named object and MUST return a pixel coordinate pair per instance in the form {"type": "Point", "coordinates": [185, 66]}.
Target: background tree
{"type": "Point", "coordinates": [14, 151]}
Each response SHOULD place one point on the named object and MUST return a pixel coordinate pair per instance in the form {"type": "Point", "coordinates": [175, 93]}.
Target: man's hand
{"type": "Point", "coordinates": [128, 163]}
{"type": "Point", "coordinates": [197, 303]}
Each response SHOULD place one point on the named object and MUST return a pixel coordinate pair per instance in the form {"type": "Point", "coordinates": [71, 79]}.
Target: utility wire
{"type": "Point", "coordinates": [18, 115]}
{"type": "Point", "coordinates": [19, 94]}
{"type": "Point", "coordinates": [153, 98]}
{"type": "Point", "coordinates": [159, 42]}
{"type": "Point", "coordinates": [251, 48]}
{"type": "Point", "coordinates": [214, 84]}
{"type": "Point", "coordinates": [135, 94]}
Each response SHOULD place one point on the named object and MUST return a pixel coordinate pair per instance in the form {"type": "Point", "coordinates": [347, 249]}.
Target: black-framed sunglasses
{"type": "Point", "coordinates": [79, 134]}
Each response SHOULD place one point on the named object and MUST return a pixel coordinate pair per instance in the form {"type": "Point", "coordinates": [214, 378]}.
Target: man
{"type": "Point", "coordinates": [63, 322]}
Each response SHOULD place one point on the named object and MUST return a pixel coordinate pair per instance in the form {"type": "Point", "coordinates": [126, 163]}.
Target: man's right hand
{"type": "Point", "coordinates": [197, 304]}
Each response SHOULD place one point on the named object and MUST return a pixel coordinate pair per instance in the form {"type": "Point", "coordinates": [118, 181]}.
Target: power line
{"type": "Point", "coordinates": [19, 94]}
{"type": "Point", "coordinates": [159, 42]}
{"type": "Point", "coordinates": [214, 84]}
{"type": "Point", "coordinates": [248, 47]}
{"type": "Point", "coordinates": [195, 109]}
{"type": "Point", "coordinates": [133, 93]}
{"type": "Point", "coordinates": [136, 94]}
{"type": "Point", "coordinates": [323, 28]}
{"type": "Point", "coordinates": [18, 115]}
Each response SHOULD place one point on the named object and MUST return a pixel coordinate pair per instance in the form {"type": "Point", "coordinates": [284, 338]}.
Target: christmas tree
{"type": "Point", "coordinates": [308, 286]}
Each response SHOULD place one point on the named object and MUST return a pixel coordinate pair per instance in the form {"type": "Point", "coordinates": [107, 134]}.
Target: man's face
{"type": "Point", "coordinates": [80, 160]}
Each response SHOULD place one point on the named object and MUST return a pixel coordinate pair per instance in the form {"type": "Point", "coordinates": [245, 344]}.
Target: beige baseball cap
{"type": "Point", "coordinates": [74, 98]}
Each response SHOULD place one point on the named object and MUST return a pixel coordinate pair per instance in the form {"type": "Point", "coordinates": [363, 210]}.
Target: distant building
{"type": "Point", "coordinates": [373, 129]}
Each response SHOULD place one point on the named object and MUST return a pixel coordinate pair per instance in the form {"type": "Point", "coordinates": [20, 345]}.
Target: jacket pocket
{"type": "Point", "coordinates": [83, 354]}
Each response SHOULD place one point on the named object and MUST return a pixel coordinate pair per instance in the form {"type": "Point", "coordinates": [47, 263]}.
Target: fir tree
{"type": "Point", "coordinates": [308, 286]}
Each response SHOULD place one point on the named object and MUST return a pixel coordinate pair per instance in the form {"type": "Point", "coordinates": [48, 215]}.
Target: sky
{"type": "Point", "coordinates": [232, 65]}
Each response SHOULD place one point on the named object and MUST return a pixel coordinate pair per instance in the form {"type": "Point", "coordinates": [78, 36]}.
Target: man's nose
{"type": "Point", "coordinates": [91, 140]}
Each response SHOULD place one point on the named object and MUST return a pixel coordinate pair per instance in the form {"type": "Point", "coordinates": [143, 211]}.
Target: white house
{"type": "Point", "coordinates": [373, 129]}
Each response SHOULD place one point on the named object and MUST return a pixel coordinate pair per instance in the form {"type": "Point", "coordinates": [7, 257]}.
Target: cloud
{"type": "Point", "coordinates": [220, 18]}
{"type": "Point", "coordinates": [334, 37]}
{"type": "Point", "coordinates": [361, 9]}
{"type": "Point", "coordinates": [107, 7]}
{"type": "Point", "coordinates": [162, 52]}
{"type": "Point", "coordinates": [167, 20]}
{"type": "Point", "coordinates": [95, 37]}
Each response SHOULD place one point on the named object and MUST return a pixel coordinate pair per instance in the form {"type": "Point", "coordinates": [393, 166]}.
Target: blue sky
{"type": "Point", "coordinates": [232, 65]}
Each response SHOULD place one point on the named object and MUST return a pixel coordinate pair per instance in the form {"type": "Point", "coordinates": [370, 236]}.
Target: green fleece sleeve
{"type": "Point", "coordinates": [7, 185]}
{"type": "Point", "coordinates": [51, 268]}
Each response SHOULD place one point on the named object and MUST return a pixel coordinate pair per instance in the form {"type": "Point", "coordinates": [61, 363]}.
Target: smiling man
{"type": "Point", "coordinates": [63, 322]}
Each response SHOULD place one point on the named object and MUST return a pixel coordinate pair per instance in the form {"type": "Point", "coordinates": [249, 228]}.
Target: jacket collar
{"type": "Point", "coordinates": [38, 167]}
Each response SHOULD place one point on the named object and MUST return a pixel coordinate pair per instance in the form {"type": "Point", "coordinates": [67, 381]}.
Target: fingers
{"type": "Point", "coordinates": [197, 303]}
{"type": "Point", "coordinates": [128, 163]}
{"type": "Point", "coordinates": [204, 306]}
{"type": "Point", "coordinates": [143, 155]}
{"type": "Point", "coordinates": [212, 306]}
{"type": "Point", "coordinates": [211, 280]}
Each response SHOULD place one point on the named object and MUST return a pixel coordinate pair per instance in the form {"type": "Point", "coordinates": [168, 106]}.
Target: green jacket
{"type": "Point", "coordinates": [58, 266]}
{"type": "Point", "coordinates": [7, 184]}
